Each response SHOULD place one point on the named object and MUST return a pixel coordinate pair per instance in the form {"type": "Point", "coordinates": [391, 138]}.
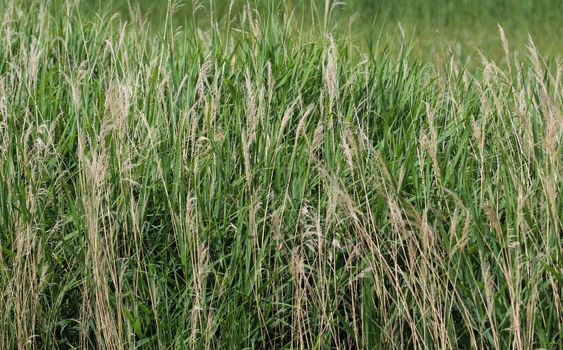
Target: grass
{"type": "Point", "coordinates": [459, 27]}
{"type": "Point", "coordinates": [247, 186]}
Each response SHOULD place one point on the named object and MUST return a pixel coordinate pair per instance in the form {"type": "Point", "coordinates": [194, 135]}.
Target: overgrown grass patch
{"type": "Point", "coordinates": [248, 186]}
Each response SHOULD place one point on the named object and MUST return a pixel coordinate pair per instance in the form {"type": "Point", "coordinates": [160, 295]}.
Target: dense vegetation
{"type": "Point", "coordinates": [435, 26]}
{"type": "Point", "coordinates": [239, 183]}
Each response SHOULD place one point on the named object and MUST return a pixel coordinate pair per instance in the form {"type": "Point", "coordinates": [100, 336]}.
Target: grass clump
{"type": "Point", "coordinates": [244, 186]}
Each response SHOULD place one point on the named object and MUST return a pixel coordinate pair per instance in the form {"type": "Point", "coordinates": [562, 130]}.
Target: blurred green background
{"type": "Point", "coordinates": [431, 26]}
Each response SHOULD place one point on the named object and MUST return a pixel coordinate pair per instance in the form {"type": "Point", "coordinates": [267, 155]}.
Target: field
{"type": "Point", "coordinates": [270, 175]}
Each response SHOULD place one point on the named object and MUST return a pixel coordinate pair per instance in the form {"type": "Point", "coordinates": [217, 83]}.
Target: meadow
{"type": "Point", "coordinates": [271, 175]}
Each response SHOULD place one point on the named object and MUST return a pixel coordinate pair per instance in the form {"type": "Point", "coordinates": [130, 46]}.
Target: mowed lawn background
{"type": "Point", "coordinates": [263, 174]}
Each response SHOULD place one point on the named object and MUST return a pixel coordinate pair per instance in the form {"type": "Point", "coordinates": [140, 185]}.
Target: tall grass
{"type": "Point", "coordinates": [244, 186]}
{"type": "Point", "coordinates": [437, 26]}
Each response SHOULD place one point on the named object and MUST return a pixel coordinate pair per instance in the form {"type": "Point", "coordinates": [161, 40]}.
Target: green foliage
{"type": "Point", "coordinates": [247, 185]}
{"type": "Point", "coordinates": [434, 26]}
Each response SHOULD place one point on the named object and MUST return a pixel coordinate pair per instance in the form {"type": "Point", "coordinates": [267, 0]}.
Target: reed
{"type": "Point", "coordinates": [245, 185]}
